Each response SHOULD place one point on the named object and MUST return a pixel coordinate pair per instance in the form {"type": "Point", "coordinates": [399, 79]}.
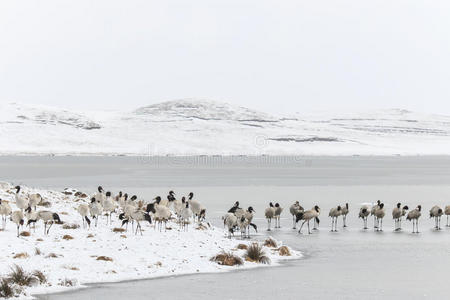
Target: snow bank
{"type": "Point", "coordinates": [197, 127]}
{"type": "Point", "coordinates": [74, 261]}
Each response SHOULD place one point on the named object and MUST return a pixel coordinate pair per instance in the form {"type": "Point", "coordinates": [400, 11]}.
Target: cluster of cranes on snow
{"type": "Point", "coordinates": [26, 207]}
{"type": "Point", "coordinates": [240, 219]}
{"type": "Point", "coordinates": [130, 209]}
{"type": "Point", "coordinates": [103, 203]}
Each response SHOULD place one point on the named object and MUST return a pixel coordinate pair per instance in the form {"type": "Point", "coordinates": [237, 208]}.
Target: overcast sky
{"type": "Point", "coordinates": [275, 55]}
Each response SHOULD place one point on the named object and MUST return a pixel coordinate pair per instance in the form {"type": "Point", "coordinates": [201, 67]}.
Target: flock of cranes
{"type": "Point", "coordinates": [377, 211]}
{"type": "Point", "coordinates": [128, 209]}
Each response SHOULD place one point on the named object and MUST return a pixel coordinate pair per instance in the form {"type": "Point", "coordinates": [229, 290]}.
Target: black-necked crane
{"type": "Point", "coordinates": [17, 218]}
{"type": "Point", "coordinates": [379, 215]}
{"type": "Point", "coordinates": [306, 216]}
{"type": "Point", "coordinates": [230, 221]}
{"type": "Point", "coordinates": [249, 216]}
{"type": "Point", "coordinates": [197, 209]}
{"type": "Point", "coordinates": [447, 213]}
{"type": "Point", "coordinates": [47, 217]}
{"type": "Point", "coordinates": [364, 213]}
{"type": "Point", "coordinates": [269, 213]}
{"type": "Point", "coordinates": [414, 216]}
{"type": "Point", "coordinates": [334, 213]}
{"type": "Point", "coordinates": [5, 211]}
{"type": "Point", "coordinates": [397, 215]}
{"type": "Point", "coordinates": [34, 200]}
{"type": "Point", "coordinates": [278, 211]}
{"type": "Point", "coordinates": [95, 209]}
{"type": "Point", "coordinates": [83, 210]}
{"type": "Point", "coordinates": [294, 209]}
{"type": "Point", "coordinates": [22, 202]}
{"type": "Point", "coordinates": [372, 213]}
{"type": "Point", "coordinates": [436, 212]}
{"type": "Point", "coordinates": [109, 207]}
{"type": "Point", "coordinates": [137, 215]}
{"type": "Point", "coordinates": [345, 211]}
{"type": "Point", "coordinates": [185, 216]}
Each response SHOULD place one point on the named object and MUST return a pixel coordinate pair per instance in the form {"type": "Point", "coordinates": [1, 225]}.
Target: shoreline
{"type": "Point", "coordinates": [280, 263]}
{"type": "Point", "coordinates": [187, 156]}
{"type": "Point", "coordinates": [74, 257]}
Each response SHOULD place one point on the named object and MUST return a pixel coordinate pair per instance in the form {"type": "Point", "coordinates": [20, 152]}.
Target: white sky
{"type": "Point", "coordinates": [270, 55]}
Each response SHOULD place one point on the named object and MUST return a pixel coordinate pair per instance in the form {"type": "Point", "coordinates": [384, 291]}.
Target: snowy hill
{"type": "Point", "coordinates": [198, 127]}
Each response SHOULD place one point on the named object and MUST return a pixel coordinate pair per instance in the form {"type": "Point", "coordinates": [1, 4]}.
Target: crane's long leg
{"type": "Point", "coordinates": [48, 230]}
{"type": "Point", "coordinates": [301, 226]}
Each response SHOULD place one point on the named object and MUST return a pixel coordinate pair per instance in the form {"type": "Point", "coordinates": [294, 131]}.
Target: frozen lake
{"type": "Point", "coordinates": [349, 264]}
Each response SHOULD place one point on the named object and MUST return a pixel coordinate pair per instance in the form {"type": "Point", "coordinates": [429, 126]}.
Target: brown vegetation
{"type": "Point", "coordinates": [255, 253]}
{"type": "Point", "coordinates": [104, 258]}
{"type": "Point", "coordinates": [227, 259]}
{"type": "Point", "coordinates": [284, 251]}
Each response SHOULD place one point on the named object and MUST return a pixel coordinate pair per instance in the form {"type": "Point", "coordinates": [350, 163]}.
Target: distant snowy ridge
{"type": "Point", "coordinates": [14, 113]}
{"type": "Point", "coordinates": [203, 127]}
{"type": "Point", "coordinates": [204, 110]}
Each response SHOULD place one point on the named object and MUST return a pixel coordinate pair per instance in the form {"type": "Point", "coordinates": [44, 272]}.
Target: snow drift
{"type": "Point", "coordinates": [198, 127]}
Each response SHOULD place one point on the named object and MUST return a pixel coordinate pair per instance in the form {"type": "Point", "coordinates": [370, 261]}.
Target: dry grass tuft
{"type": "Point", "coordinates": [227, 259]}
{"type": "Point", "coordinates": [21, 255]}
{"type": "Point", "coordinates": [40, 276]}
{"type": "Point", "coordinates": [284, 251]}
{"type": "Point", "coordinates": [37, 251]}
{"type": "Point", "coordinates": [255, 253]}
{"type": "Point", "coordinates": [242, 247]}
{"type": "Point", "coordinates": [25, 233]}
{"type": "Point", "coordinates": [270, 243]}
{"type": "Point", "coordinates": [116, 229]}
{"type": "Point", "coordinates": [71, 226]}
{"type": "Point", "coordinates": [123, 236]}
{"type": "Point", "coordinates": [67, 237]}
{"type": "Point", "coordinates": [20, 277]}
{"type": "Point", "coordinates": [90, 235]}
{"type": "Point", "coordinates": [52, 255]}
{"type": "Point", "coordinates": [104, 258]}
{"type": "Point", "coordinates": [39, 240]}
{"type": "Point", "coordinates": [6, 291]}
{"type": "Point", "coordinates": [80, 194]}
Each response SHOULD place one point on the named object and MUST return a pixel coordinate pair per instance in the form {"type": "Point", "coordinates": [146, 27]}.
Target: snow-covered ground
{"type": "Point", "coordinates": [68, 262]}
{"type": "Point", "coordinates": [197, 127]}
